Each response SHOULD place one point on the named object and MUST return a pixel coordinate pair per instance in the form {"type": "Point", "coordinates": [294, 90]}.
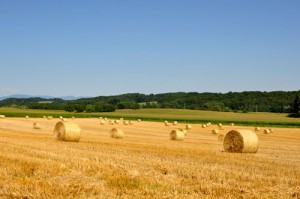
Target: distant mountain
{"type": "Point", "coordinates": [41, 96]}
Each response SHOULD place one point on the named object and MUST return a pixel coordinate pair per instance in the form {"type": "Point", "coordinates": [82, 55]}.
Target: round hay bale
{"type": "Point", "coordinates": [215, 131]}
{"type": "Point", "coordinates": [175, 123]}
{"type": "Point", "coordinates": [36, 125]}
{"type": "Point", "coordinates": [73, 117]}
{"type": "Point", "coordinates": [105, 119]}
{"type": "Point", "coordinates": [177, 135]}
{"type": "Point", "coordinates": [64, 119]}
{"type": "Point", "coordinates": [267, 131]}
{"type": "Point", "coordinates": [44, 116]}
{"type": "Point", "coordinates": [125, 122]}
{"type": "Point", "coordinates": [26, 116]}
{"type": "Point", "coordinates": [102, 122]}
{"type": "Point", "coordinates": [221, 137]}
{"type": "Point", "coordinates": [50, 117]}
{"type": "Point", "coordinates": [166, 121]}
{"type": "Point", "coordinates": [188, 127]}
{"type": "Point", "coordinates": [271, 130]}
{"type": "Point", "coordinates": [139, 120]}
{"type": "Point", "coordinates": [208, 124]}
{"type": "Point", "coordinates": [166, 124]}
{"type": "Point", "coordinates": [203, 125]}
{"type": "Point", "coordinates": [60, 117]}
{"type": "Point", "coordinates": [2, 116]}
{"type": "Point", "coordinates": [121, 118]}
{"type": "Point", "coordinates": [220, 125]}
{"type": "Point", "coordinates": [183, 130]}
{"type": "Point", "coordinates": [100, 118]}
{"type": "Point", "coordinates": [117, 133]}
{"type": "Point", "coordinates": [231, 124]}
{"type": "Point", "coordinates": [257, 129]}
{"type": "Point", "coordinates": [69, 132]}
{"type": "Point", "coordinates": [241, 141]}
{"type": "Point", "coordinates": [117, 121]}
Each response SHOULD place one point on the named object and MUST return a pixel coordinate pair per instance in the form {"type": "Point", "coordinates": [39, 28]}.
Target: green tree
{"type": "Point", "coordinates": [296, 106]}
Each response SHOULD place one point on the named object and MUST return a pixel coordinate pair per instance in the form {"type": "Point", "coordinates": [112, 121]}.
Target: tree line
{"type": "Point", "coordinates": [247, 101]}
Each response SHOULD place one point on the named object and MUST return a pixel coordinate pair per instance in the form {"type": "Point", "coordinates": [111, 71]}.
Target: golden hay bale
{"type": "Point", "coordinates": [49, 117]}
{"type": "Point", "coordinates": [26, 116]}
{"type": "Point", "coordinates": [221, 137]}
{"type": "Point", "coordinates": [102, 122]}
{"type": "Point", "coordinates": [208, 124]}
{"type": "Point", "coordinates": [241, 141]}
{"type": "Point", "coordinates": [117, 133]}
{"type": "Point", "coordinates": [73, 117]}
{"type": "Point", "coordinates": [44, 116]}
{"type": "Point", "coordinates": [188, 127]}
{"type": "Point", "coordinates": [166, 121]}
{"type": "Point", "coordinates": [177, 135]}
{"type": "Point", "coordinates": [69, 132]}
{"type": "Point", "coordinates": [60, 117]}
{"type": "Point", "coordinates": [175, 123]}
{"type": "Point", "coordinates": [203, 125]}
{"type": "Point", "coordinates": [117, 121]}
{"type": "Point", "coordinates": [220, 125]}
{"type": "Point", "coordinates": [36, 125]}
{"type": "Point", "coordinates": [2, 116]}
{"type": "Point", "coordinates": [125, 122]}
{"type": "Point", "coordinates": [271, 130]}
{"type": "Point", "coordinates": [267, 131]}
{"type": "Point", "coordinates": [100, 118]}
{"type": "Point", "coordinates": [166, 124]}
{"type": "Point", "coordinates": [64, 119]}
{"type": "Point", "coordinates": [183, 130]}
{"type": "Point", "coordinates": [139, 120]}
{"type": "Point", "coordinates": [215, 131]}
{"type": "Point", "coordinates": [231, 124]}
{"type": "Point", "coordinates": [105, 118]}
{"type": "Point", "coordinates": [257, 129]}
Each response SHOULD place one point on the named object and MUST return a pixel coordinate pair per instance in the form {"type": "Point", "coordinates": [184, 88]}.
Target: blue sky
{"type": "Point", "coordinates": [92, 48]}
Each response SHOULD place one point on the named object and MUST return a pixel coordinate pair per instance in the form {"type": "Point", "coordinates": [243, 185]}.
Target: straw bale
{"type": "Point", "coordinates": [188, 127]}
{"type": "Point", "coordinates": [221, 137]}
{"type": "Point", "coordinates": [267, 131]}
{"type": "Point", "coordinates": [241, 141]}
{"type": "Point", "coordinates": [36, 125]}
{"type": "Point", "coordinates": [69, 132]}
{"type": "Point", "coordinates": [117, 133]}
{"type": "Point", "coordinates": [177, 135]}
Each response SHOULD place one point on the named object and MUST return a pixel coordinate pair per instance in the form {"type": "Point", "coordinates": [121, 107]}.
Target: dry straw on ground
{"type": "Point", "coordinates": [36, 125]}
{"type": "Point", "coordinates": [241, 141]}
{"type": "Point", "coordinates": [215, 131]}
{"type": "Point", "coordinates": [188, 127]}
{"type": "Point", "coordinates": [177, 135]}
{"type": "Point", "coordinates": [117, 133]}
{"type": "Point", "coordinates": [67, 132]}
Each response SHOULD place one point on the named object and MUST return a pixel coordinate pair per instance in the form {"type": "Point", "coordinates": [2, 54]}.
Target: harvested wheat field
{"type": "Point", "coordinates": [145, 164]}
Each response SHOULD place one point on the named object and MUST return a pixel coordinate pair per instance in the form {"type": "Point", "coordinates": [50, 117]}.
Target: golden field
{"type": "Point", "coordinates": [145, 164]}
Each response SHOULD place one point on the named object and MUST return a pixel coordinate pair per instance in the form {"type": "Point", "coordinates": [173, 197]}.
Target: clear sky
{"type": "Point", "coordinates": [109, 47]}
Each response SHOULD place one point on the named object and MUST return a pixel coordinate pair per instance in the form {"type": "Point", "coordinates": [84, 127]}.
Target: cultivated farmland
{"type": "Point", "coordinates": [145, 163]}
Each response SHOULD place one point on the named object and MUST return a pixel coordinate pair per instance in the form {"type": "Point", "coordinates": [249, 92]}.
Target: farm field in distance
{"type": "Point", "coordinates": [145, 164]}
{"type": "Point", "coordinates": [191, 116]}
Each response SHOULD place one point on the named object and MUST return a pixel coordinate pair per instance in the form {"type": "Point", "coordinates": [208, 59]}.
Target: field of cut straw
{"type": "Point", "coordinates": [145, 163]}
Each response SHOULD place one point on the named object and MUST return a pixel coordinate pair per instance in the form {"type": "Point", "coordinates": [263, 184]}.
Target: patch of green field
{"type": "Point", "coordinates": [190, 116]}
